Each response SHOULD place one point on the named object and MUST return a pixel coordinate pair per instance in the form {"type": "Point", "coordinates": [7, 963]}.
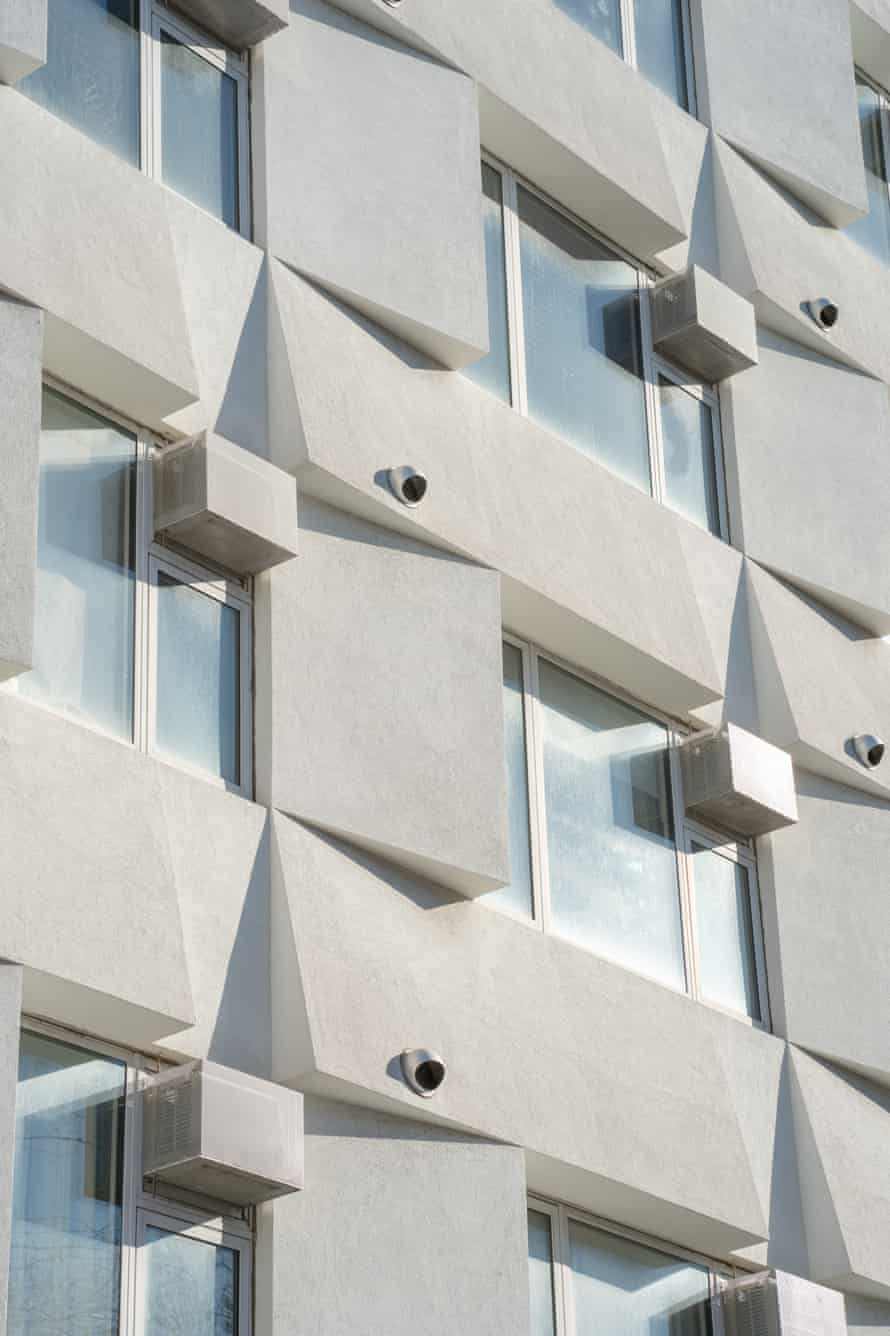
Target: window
{"type": "Point", "coordinates": [585, 1277]}
{"type": "Point", "coordinates": [95, 1250]}
{"type": "Point", "coordinates": [601, 850]}
{"type": "Point", "coordinates": [570, 347]}
{"type": "Point", "coordinates": [651, 35]}
{"type": "Point", "coordinates": [141, 83]}
{"type": "Point", "coordinates": [873, 231]}
{"type": "Point", "coordinates": [131, 637]}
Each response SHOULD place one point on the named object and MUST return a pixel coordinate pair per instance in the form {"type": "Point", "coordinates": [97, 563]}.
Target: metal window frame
{"type": "Point", "coordinates": [139, 1202]}
{"type": "Point", "coordinates": [629, 48]}
{"type": "Point", "coordinates": [214, 1233]}
{"type": "Point", "coordinates": [653, 365]}
{"type": "Point", "coordinates": [685, 831]}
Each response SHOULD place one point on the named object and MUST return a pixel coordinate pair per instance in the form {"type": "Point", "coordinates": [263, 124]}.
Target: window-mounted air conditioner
{"type": "Point", "coordinates": [223, 1134]}
{"type": "Point", "coordinates": [703, 325]}
{"type": "Point", "coordinates": [738, 782]}
{"type": "Point", "coordinates": [776, 1303]}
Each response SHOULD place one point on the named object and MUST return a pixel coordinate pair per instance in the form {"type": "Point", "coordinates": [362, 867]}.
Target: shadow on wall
{"type": "Point", "coordinates": [246, 385]}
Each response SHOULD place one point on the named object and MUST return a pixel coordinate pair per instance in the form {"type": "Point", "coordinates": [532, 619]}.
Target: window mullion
{"type": "Point", "coordinates": [628, 33]}
{"type": "Point", "coordinates": [684, 871]}
{"type": "Point", "coordinates": [538, 806]}
{"type": "Point", "coordinates": [562, 1263]}
{"type": "Point", "coordinates": [146, 75]}
{"type": "Point", "coordinates": [515, 321]}
{"type": "Point", "coordinates": [650, 386]}
{"type": "Point", "coordinates": [142, 640]}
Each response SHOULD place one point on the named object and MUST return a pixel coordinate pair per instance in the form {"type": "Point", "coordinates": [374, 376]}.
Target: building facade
{"type": "Point", "coordinates": [444, 581]}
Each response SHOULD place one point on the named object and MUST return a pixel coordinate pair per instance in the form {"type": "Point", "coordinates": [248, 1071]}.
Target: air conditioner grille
{"type": "Point", "coordinates": [173, 1127]}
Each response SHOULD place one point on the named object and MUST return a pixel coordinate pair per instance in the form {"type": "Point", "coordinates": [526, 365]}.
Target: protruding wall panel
{"type": "Point", "coordinates": [21, 355]}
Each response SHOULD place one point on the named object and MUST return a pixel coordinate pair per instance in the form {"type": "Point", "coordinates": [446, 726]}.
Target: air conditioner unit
{"type": "Point", "coordinates": [738, 782]}
{"type": "Point", "coordinates": [703, 325]}
{"type": "Point", "coordinates": [223, 1134]}
{"type": "Point", "coordinates": [776, 1303]}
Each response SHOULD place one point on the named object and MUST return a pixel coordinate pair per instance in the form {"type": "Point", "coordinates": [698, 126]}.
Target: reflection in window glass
{"type": "Point", "coordinates": [602, 18]}
{"type": "Point", "coordinates": [727, 966]}
{"type": "Point", "coordinates": [624, 1289]}
{"type": "Point", "coordinates": [198, 693]}
{"type": "Point", "coordinates": [493, 371]}
{"type": "Point", "coordinates": [873, 231]}
{"type": "Point", "coordinates": [91, 75]}
{"type": "Point", "coordinates": [199, 128]}
{"type": "Point", "coordinates": [540, 1275]}
{"type": "Point", "coordinates": [582, 341]}
{"type": "Point", "coordinates": [690, 469]}
{"type": "Point", "coordinates": [191, 1287]}
{"type": "Point", "coordinates": [518, 895]}
{"type": "Point", "coordinates": [658, 31]}
{"type": "Point", "coordinates": [64, 1273]}
{"type": "Point", "coordinates": [610, 836]}
{"type": "Point", "coordinates": [84, 617]}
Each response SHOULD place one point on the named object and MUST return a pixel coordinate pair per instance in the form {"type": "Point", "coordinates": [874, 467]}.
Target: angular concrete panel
{"type": "Point", "coordinates": [781, 258]}
{"type": "Point", "coordinates": [103, 268]}
{"type": "Point", "coordinates": [782, 93]}
{"type": "Point", "coordinates": [21, 371]}
{"type": "Point", "coordinates": [89, 902]}
{"type": "Point", "coordinates": [600, 138]}
{"type": "Point", "coordinates": [402, 1228]}
{"type": "Point", "coordinates": [240, 23]}
{"type": "Point", "coordinates": [379, 679]}
{"type": "Point", "coordinates": [381, 203]}
{"type": "Point", "coordinates": [589, 1067]}
{"type": "Point", "coordinates": [824, 892]}
{"type": "Point", "coordinates": [807, 445]}
{"type": "Point", "coordinates": [819, 683]}
{"type": "Point", "coordinates": [10, 1023]}
{"type": "Point", "coordinates": [590, 566]}
{"type": "Point", "coordinates": [843, 1128]}
{"type": "Point", "coordinates": [22, 47]}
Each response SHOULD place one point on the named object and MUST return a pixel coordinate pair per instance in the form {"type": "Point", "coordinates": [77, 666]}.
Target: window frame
{"type": "Point", "coordinates": [653, 364]}
{"type": "Point", "coordinates": [153, 554]}
{"type": "Point", "coordinates": [628, 24]}
{"type": "Point", "coordinates": [686, 831]}
{"type": "Point", "coordinates": [141, 1203]}
{"type": "Point", "coordinates": [155, 18]}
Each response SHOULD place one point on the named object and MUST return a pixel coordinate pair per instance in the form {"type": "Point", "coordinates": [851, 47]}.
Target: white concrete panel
{"type": "Point", "coordinates": [870, 32]}
{"type": "Point", "coordinates": [819, 684]}
{"type": "Point", "coordinates": [780, 88]}
{"type": "Point", "coordinates": [22, 48]}
{"type": "Point", "coordinates": [402, 1228]}
{"type": "Point", "coordinates": [781, 258]}
{"type": "Point", "coordinates": [381, 203]}
{"type": "Point", "coordinates": [89, 902]}
{"type": "Point", "coordinates": [596, 138]}
{"type": "Point", "coordinates": [379, 672]}
{"type": "Point", "coordinates": [823, 885]}
{"type": "Point", "coordinates": [591, 568]}
{"type": "Point", "coordinates": [808, 440]}
{"type": "Point", "coordinates": [843, 1128]}
{"type": "Point", "coordinates": [593, 1070]}
{"type": "Point", "coordinates": [239, 23]}
{"type": "Point", "coordinates": [86, 237]}
{"type": "Point", "coordinates": [10, 1018]}
{"type": "Point", "coordinates": [21, 349]}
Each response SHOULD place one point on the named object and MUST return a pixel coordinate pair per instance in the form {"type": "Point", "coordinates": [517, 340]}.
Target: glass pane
{"type": "Point", "coordinates": [191, 1287]}
{"type": "Point", "coordinates": [540, 1275]}
{"type": "Point", "coordinates": [582, 341]}
{"type": "Point", "coordinates": [199, 130]}
{"type": "Point", "coordinates": [658, 28]}
{"type": "Point", "coordinates": [624, 1289]}
{"type": "Point", "coordinates": [493, 371]}
{"type": "Point", "coordinates": [66, 1205]}
{"type": "Point", "coordinates": [198, 718]}
{"type": "Point", "coordinates": [725, 932]}
{"type": "Point", "coordinates": [84, 621]}
{"type": "Point", "coordinates": [690, 468]}
{"type": "Point", "coordinates": [91, 75]}
{"type": "Point", "coordinates": [873, 231]}
{"type": "Point", "coordinates": [518, 895]}
{"type": "Point", "coordinates": [602, 18]}
{"type": "Point", "coordinates": [610, 836]}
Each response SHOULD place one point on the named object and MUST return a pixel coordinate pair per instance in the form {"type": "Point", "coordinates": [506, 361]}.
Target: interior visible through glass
{"type": "Point", "coordinates": [199, 130]}
{"type": "Point", "coordinates": [191, 1286]}
{"type": "Point", "coordinates": [84, 622]}
{"type": "Point", "coordinates": [873, 231]}
{"type": "Point", "coordinates": [518, 895]}
{"type": "Point", "coordinates": [64, 1273]}
{"type": "Point", "coordinates": [610, 831]}
{"type": "Point", "coordinates": [658, 33]}
{"type": "Point", "coordinates": [582, 341]}
{"type": "Point", "coordinates": [601, 18]}
{"type": "Point", "coordinates": [493, 370]}
{"type": "Point", "coordinates": [725, 931]}
{"type": "Point", "coordinates": [91, 75]}
{"type": "Point", "coordinates": [199, 679]}
{"type": "Point", "coordinates": [690, 469]}
{"type": "Point", "coordinates": [540, 1275]}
